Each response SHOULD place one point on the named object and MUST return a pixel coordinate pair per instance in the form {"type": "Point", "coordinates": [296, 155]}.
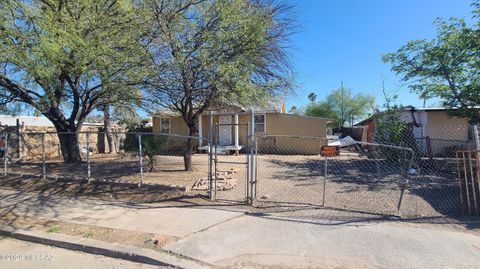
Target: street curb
{"type": "Point", "coordinates": [113, 250]}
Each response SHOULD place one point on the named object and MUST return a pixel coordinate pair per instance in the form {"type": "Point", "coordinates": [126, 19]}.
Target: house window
{"type": "Point", "coordinates": [165, 125]}
{"type": "Point", "coordinates": [259, 123]}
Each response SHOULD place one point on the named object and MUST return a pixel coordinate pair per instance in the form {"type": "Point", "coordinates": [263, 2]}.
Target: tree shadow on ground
{"type": "Point", "coordinates": [47, 197]}
{"type": "Point", "coordinates": [360, 177]}
{"type": "Point", "coordinates": [105, 170]}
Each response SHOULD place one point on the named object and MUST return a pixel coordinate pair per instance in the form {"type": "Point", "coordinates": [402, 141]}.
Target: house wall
{"type": "Point", "coordinates": [178, 126]}
{"type": "Point", "coordinates": [443, 126]}
{"type": "Point", "coordinates": [419, 130]}
{"type": "Point", "coordinates": [437, 132]}
{"type": "Point", "coordinates": [371, 126]}
{"type": "Point", "coordinates": [275, 124]}
{"type": "Point", "coordinates": [297, 127]}
{"type": "Point", "coordinates": [156, 124]}
{"type": "Point", "coordinates": [446, 132]}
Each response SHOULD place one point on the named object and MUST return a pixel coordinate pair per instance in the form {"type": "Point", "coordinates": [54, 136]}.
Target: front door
{"type": "Point", "coordinates": [225, 131]}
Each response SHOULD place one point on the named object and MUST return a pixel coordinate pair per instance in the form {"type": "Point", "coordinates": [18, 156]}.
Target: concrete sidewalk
{"type": "Point", "coordinates": [231, 238]}
{"type": "Point", "coordinates": [160, 218]}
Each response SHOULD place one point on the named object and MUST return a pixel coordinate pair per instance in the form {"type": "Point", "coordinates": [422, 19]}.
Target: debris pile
{"type": "Point", "coordinates": [224, 181]}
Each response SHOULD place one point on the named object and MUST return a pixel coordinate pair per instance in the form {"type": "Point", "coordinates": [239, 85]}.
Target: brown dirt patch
{"type": "Point", "coordinates": [125, 237]}
{"type": "Point", "coordinates": [127, 192]}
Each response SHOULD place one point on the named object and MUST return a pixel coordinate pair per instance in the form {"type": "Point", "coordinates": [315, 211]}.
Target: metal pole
{"type": "Point", "coordinates": [251, 159]}
{"type": "Point", "coordinates": [248, 163]}
{"type": "Point", "coordinates": [140, 157]}
{"type": "Point", "coordinates": [210, 155]}
{"type": "Point", "coordinates": [325, 180]}
{"type": "Point", "coordinates": [254, 191]}
{"type": "Point", "coordinates": [44, 173]}
{"type": "Point", "coordinates": [216, 165]}
{"type": "Point", "coordinates": [459, 177]}
{"type": "Point", "coordinates": [406, 174]}
{"type": "Point", "coordinates": [88, 157]}
{"type": "Point", "coordinates": [253, 178]}
{"type": "Point", "coordinates": [477, 160]}
{"type": "Point", "coordinates": [5, 154]}
{"type": "Point", "coordinates": [476, 136]}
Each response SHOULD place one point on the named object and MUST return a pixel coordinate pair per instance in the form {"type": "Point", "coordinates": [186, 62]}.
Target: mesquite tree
{"type": "Point", "coordinates": [59, 57]}
{"type": "Point", "coordinates": [214, 51]}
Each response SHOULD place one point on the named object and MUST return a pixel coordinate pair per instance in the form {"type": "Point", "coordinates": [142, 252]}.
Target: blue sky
{"type": "Point", "coordinates": [340, 40]}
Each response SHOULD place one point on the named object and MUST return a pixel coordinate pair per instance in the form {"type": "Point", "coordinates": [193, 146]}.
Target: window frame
{"type": "Point", "coordinates": [264, 124]}
{"type": "Point", "coordinates": [169, 125]}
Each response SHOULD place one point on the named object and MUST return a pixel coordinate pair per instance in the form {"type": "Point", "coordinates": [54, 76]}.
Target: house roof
{"type": "Point", "coordinates": [25, 120]}
{"type": "Point", "coordinates": [408, 109]}
{"type": "Point", "coordinates": [276, 104]}
{"type": "Point", "coordinates": [7, 120]}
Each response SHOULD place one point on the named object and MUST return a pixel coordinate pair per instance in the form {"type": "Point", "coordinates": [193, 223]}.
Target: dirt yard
{"type": "Point", "coordinates": [107, 191]}
{"type": "Point", "coordinates": [353, 183]}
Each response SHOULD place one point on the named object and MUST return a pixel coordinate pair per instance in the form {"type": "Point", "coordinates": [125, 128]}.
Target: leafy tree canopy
{"type": "Point", "coordinates": [342, 106]}
{"type": "Point", "coordinates": [447, 67]}
{"type": "Point", "coordinates": [64, 57]}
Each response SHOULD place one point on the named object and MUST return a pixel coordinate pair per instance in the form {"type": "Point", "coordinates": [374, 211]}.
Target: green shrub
{"type": "Point", "coordinates": [131, 139]}
{"type": "Point", "coordinates": [153, 145]}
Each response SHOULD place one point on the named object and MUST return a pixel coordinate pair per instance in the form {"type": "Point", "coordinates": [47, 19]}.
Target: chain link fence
{"type": "Point", "coordinates": [289, 171]}
{"type": "Point", "coordinates": [411, 177]}
{"type": "Point", "coordinates": [124, 158]}
{"type": "Point", "coordinates": [434, 175]}
{"type": "Point", "coordinates": [364, 178]}
{"type": "Point", "coordinates": [414, 176]}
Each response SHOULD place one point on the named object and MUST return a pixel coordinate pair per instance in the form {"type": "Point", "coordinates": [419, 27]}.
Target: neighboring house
{"type": "Point", "coordinates": [231, 128]}
{"type": "Point", "coordinates": [434, 130]}
{"type": "Point", "coordinates": [33, 123]}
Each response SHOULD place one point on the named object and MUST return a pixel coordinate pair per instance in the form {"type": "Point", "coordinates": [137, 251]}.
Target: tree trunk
{"type": "Point", "coordinates": [107, 127]}
{"type": "Point", "coordinates": [69, 147]}
{"type": "Point", "coordinates": [187, 155]}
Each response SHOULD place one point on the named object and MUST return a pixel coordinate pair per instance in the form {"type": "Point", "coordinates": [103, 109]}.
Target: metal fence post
{"type": "Point", "coordinates": [251, 159]}
{"type": "Point", "coordinates": [216, 164]}
{"type": "Point", "coordinates": [140, 157]}
{"type": "Point", "coordinates": [88, 158]}
{"type": "Point", "coordinates": [325, 181]}
{"type": "Point", "coordinates": [5, 154]}
{"type": "Point", "coordinates": [255, 172]}
{"type": "Point", "coordinates": [249, 174]}
{"type": "Point", "coordinates": [44, 170]}
{"type": "Point", "coordinates": [210, 155]}
{"type": "Point", "coordinates": [406, 174]}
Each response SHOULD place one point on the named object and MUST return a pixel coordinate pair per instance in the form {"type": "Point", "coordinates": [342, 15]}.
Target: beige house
{"type": "Point", "coordinates": [434, 130]}
{"type": "Point", "coordinates": [278, 132]}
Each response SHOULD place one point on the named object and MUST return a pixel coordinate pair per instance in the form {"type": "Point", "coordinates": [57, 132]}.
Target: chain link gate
{"type": "Point", "coordinates": [232, 176]}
